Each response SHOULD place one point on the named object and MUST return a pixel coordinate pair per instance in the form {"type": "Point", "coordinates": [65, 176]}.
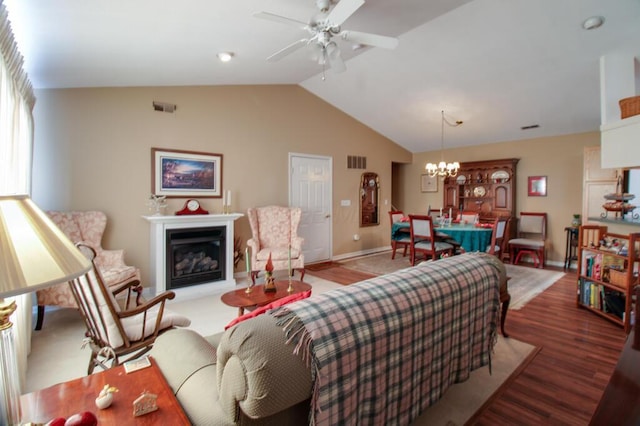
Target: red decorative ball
{"type": "Point", "coordinates": [86, 418]}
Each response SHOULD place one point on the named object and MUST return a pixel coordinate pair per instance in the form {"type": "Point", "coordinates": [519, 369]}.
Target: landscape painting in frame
{"type": "Point", "coordinates": [179, 173]}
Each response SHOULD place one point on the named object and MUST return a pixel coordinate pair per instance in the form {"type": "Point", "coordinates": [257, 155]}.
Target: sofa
{"type": "Point", "coordinates": [379, 351]}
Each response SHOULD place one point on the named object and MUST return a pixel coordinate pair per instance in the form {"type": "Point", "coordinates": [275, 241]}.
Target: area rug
{"type": "Point", "coordinates": [525, 282]}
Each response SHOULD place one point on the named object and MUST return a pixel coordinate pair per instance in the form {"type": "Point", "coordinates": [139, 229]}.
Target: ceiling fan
{"type": "Point", "coordinates": [323, 28]}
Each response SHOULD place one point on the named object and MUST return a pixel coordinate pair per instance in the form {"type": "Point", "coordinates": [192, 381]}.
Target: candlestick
{"type": "Point", "coordinates": [229, 199]}
{"type": "Point", "coordinates": [249, 280]}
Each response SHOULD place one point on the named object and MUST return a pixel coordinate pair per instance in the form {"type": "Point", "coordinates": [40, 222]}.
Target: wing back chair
{"type": "Point", "coordinates": [274, 230]}
{"type": "Point", "coordinates": [86, 227]}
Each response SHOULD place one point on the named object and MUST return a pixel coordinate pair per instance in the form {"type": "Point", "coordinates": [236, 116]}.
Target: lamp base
{"type": "Point", "coordinates": [9, 377]}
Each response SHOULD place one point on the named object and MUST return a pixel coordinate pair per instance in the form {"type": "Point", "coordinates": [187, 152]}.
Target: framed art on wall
{"type": "Point", "coordinates": [177, 174]}
{"type": "Point", "coordinates": [537, 186]}
{"type": "Point", "coordinates": [428, 183]}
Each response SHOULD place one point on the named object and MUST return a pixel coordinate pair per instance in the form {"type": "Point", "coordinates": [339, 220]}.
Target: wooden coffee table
{"type": "Point", "coordinates": [75, 396]}
{"type": "Point", "coordinates": [242, 300]}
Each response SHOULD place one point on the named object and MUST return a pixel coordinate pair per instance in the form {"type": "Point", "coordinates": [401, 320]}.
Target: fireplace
{"type": "Point", "coordinates": [214, 280]}
{"type": "Point", "coordinates": [195, 256]}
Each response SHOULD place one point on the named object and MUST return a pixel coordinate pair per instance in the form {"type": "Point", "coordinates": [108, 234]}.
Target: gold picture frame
{"type": "Point", "coordinates": [180, 174]}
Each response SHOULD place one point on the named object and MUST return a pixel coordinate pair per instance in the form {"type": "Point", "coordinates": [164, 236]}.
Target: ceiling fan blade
{"type": "Point", "coordinates": [281, 19]}
{"type": "Point", "coordinates": [287, 50]}
{"type": "Point", "coordinates": [342, 11]}
{"type": "Point", "coordinates": [370, 39]}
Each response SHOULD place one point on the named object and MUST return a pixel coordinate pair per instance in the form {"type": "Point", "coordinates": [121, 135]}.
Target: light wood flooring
{"type": "Point", "coordinates": [563, 384]}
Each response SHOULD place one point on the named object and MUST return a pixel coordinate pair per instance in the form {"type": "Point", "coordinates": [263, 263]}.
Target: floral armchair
{"type": "Point", "coordinates": [274, 230]}
{"type": "Point", "coordinates": [86, 227]}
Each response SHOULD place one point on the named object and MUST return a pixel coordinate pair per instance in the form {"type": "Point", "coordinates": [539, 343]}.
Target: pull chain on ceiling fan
{"type": "Point", "coordinates": [321, 31]}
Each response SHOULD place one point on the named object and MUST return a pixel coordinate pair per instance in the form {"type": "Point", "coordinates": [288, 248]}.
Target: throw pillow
{"type": "Point", "coordinates": [272, 305]}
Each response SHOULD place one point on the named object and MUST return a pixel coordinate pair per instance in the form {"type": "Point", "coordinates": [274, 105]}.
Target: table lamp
{"type": "Point", "coordinates": [34, 254]}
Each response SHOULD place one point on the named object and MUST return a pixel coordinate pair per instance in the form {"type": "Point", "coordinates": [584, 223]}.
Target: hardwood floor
{"type": "Point", "coordinates": [563, 384]}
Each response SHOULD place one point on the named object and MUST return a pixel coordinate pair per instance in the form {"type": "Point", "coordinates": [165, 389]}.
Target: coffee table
{"type": "Point", "coordinates": [75, 396]}
{"type": "Point", "coordinates": [242, 300]}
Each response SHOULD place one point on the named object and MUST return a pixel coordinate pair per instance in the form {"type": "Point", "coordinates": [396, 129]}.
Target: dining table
{"type": "Point", "coordinates": [472, 237]}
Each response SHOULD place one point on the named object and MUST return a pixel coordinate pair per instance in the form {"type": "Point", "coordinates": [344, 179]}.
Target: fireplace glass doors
{"type": "Point", "coordinates": [195, 256]}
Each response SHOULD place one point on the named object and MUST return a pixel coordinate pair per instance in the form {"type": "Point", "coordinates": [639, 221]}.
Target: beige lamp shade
{"type": "Point", "coordinates": [34, 252]}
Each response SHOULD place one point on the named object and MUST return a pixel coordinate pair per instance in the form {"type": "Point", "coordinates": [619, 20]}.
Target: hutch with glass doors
{"type": "Point", "coordinates": [486, 187]}
{"type": "Point", "coordinates": [607, 272]}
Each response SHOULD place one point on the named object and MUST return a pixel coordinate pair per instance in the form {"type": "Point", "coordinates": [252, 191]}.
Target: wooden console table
{"type": "Point", "coordinates": [75, 396]}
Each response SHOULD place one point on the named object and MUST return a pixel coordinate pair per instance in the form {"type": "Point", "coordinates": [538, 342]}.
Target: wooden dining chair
{"type": "Point", "coordinates": [402, 240]}
{"type": "Point", "coordinates": [468, 217]}
{"type": "Point", "coordinates": [497, 247]}
{"type": "Point", "coordinates": [531, 238]}
{"type": "Point", "coordinates": [423, 239]}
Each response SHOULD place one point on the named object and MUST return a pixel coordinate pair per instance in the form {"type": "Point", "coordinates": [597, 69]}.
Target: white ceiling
{"type": "Point", "coordinates": [495, 64]}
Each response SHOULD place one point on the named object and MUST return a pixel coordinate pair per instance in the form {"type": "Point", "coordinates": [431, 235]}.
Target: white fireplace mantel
{"type": "Point", "coordinates": [160, 224]}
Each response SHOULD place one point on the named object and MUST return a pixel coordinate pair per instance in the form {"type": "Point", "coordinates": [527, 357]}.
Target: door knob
{"type": "Point", "coordinates": [327, 216]}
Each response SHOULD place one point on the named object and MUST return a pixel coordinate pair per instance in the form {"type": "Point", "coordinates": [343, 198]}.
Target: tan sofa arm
{"type": "Point", "coordinates": [258, 372]}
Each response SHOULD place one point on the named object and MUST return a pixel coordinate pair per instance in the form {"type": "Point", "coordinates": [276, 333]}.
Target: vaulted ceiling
{"type": "Point", "coordinates": [496, 65]}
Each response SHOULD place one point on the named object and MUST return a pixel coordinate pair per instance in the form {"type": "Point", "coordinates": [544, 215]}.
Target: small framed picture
{"type": "Point", "coordinates": [428, 183]}
{"type": "Point", "coordinates": [537, 186]}
{"type": "Point", "coordinates": [180, 174]}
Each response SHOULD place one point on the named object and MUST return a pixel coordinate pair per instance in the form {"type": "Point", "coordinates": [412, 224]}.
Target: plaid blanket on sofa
{"type": "Point", "coordinates": [383, 350]}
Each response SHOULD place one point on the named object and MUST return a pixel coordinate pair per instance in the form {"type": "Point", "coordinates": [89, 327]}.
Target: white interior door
{"type": "Point", "coordinates": [310, 183]}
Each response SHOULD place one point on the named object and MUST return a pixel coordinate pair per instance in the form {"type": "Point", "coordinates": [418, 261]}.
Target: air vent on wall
{"type": "Point", "coordinates": [164, 107]}
{"type": "Point", "coordinates": [356, 162]}
{"type": "Point", "coordinates": [532, 126]}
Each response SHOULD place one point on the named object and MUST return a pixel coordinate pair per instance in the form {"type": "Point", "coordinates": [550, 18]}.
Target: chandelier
{"type": "Point", "coordinates": [443, 169]}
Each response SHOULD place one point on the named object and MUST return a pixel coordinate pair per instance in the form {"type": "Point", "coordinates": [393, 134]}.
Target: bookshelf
{"type": "Point", "coordinates": [607, 272]}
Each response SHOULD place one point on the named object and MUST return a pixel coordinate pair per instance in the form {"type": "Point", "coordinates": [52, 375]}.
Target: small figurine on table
{"type": "Point", "coordinates": [105, 397]}
{"type": "Point", "coordinates": [269, 281]}
{"type": "Point", "coordinates": [145, 403]}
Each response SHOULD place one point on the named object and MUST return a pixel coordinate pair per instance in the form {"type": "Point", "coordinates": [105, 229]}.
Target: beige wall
{"type": "Point", "coordinates": [559, 158]}
{"type": "Point", "coordinates": [93, 151]}
{"type": "Point", "coordinates": [93, 147]}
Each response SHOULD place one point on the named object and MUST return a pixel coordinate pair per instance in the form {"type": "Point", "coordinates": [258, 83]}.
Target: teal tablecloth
{"type": "Point", "coordinates": [470, 237]}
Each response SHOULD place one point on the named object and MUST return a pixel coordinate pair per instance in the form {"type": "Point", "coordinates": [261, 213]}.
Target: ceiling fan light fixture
{"type": "Point", "coordinates": [225, 56]}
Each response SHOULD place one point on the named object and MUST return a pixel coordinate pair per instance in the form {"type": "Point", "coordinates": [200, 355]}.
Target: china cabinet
{"type": "Point", "coordinates": [487, 187]}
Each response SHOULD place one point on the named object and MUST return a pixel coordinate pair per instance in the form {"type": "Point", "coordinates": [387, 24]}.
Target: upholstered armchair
{"type": "Point", "coordinates": [275, 230]}
{"type": "Point", "coordinates": [86, 227]}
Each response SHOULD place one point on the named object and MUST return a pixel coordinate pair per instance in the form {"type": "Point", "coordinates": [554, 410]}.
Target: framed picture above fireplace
{"type": "Point", "coordinates": [178, 174]}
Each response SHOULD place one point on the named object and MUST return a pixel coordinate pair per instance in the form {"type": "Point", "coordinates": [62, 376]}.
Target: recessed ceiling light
{"type": "Point", "coordinates": [593, 22]}
{"type": "Point", "coordinates": [225, 56]}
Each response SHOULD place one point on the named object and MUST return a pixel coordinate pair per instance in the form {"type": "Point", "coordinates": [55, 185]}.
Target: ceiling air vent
{"type": "Point", "coordinates": [356, 162]}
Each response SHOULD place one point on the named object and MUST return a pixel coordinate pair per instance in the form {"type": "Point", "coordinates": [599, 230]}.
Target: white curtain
{"type": "Point", "coordinates": [16, 147]}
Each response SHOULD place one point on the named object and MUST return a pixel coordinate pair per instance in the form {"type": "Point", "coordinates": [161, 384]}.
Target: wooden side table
{"type": "Point", "coordinates": [66, 399]}
{"type": "Point", "coordinates": [571, 250]}
{"type": "Point", "coordinates": [242, 300]}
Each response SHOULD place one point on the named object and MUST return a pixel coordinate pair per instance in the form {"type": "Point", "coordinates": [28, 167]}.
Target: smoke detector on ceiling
{"type": "Point", "coordinates": [593, 22]}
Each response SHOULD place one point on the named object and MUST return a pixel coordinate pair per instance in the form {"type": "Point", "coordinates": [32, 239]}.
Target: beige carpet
{"type": "Point", "coordinates": [524, 285]}
{"type": "Point", "coordinates": [57, 355]}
